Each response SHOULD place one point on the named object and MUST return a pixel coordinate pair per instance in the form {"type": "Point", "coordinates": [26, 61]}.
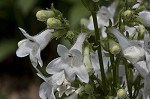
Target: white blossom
{"type": "Point", "coordinates": [71, 61]}
{"type": "Point", "coordinates": [144, 18]}
{"type": "Point", "coordinates": [131, 50]}
{"type": "Point", "coordinates": [33, 45]}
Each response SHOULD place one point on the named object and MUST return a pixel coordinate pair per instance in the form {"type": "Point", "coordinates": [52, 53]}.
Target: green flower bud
{"type": "Point", "coordinates": [128, 13]}
{"type": "Point", "coordinates": [53, 23]}
{"type": "Point", "coordinates": [121, 94]}
{"type": "Point", "coordinates": [114, 47]}
{"type": "Point", "coordinates": [43, 15]}
{"type": "Point", "coordinates": [86, 59]}
{"type": "Point", "coordinates": [70, 34]}
{"type": "Point", "coordinates": [141, 31]}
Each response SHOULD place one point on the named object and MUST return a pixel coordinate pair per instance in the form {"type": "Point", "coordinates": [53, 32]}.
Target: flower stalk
{"type": "Point", "coordinates": [98, 42]}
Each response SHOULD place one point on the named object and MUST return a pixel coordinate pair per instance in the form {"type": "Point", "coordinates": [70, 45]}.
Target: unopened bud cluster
{"type": "Point", "coordinates": [52, 17]}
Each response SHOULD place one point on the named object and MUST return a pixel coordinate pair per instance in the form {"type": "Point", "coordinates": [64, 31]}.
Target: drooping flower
{"type": "Point", "coordinates": [33, 45]}
{"type": "Point", "coordinates": [71, 61]}
{"type": "Point", "coordinates": [131, 50]}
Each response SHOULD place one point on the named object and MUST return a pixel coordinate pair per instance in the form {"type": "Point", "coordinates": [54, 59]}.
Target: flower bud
{"type": "Point", "coordinates": [70, 34]}
{"type": "Point", "coordinates": [43, 15]}
{"type": "Point", "coordinates": [141, 31]}
{"type": "Point", "coordinates": [53, 23]}
{"type": "Point", "coordinates": [121, 93]}
{"type": "Point", "coordinates": [114, 47]}
{"type": "Point", "coordinates": [128, 13]}
{"type": "Point", "coordinates": [86, 59]}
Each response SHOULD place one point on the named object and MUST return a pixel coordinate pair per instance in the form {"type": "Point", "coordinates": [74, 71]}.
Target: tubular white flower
{"type": "Point", "coordinates": [144, 18]}
{"type": "Point", "coordinates": [131, 50]}
{"type": "Point", "coordinates": [33, 45]}
{"type": "Point", "coordinates": [71, 61]}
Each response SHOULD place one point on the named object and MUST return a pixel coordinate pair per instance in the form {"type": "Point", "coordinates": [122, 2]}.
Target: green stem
{"type": "Point", "coordinates": [127, 78]}
{"type": "Point", "coordinates": [98, 43]}
{"type": "Point", "coordinates": [114, 70]}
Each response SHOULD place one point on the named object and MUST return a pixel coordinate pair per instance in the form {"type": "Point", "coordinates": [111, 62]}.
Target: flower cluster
{"type": "Point", "coordinates": [116, 65]}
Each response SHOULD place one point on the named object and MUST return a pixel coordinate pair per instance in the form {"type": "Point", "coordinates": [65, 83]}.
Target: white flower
{"type": "Point", "coordinates": [66, 88]}
{"type": "Point", "coordinates": [144, 18]}
{"type": "Point", "coordinates": [33, 45]}
{"type": "Point", "coordinates": [55, 82]}
{"type": "Point", "coordinates": [103, 16]}
{"type": "Point", "coordinates": [50, 85]}
{"type": "Point", "coordinates": [71, 61]}
{"type": "Point", "coordinates": [96, 65]}
{"type": "Point", "coordinates": [131, 50]}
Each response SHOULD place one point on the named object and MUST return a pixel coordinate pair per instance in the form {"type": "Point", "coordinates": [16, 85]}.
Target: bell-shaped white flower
{"type": "Point", "coordinates": [71, 61]}
{"type": "Point", "coordinates": [144, 18]}
{"type": "Point", "coordinates": [33, 45]}
{"type": "Point", "coordinates": [131, 50]}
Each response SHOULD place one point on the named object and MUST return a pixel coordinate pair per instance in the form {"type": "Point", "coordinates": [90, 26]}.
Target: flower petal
{"type": "Point", "coordinates": [55, 66]}
{"type": "Point", "coordinates": [77, 57]}
{"type": "Point", "coordinates": [46, 91]}
{"type": "Point", "coordinates": [146, 92]}
{"type": "Point", "coordinates": [43, 37]}
{"type": "Point", "coordinates": [144, 18]}
{"type": "Point", "coordinates": [70, 73]}
{"type": "Point", "coordinates": [23, 49]}
{"type": "Point", "coordinates": [26, 34]}
{"type": "Point", "coordinates": [62, 50]}
{"type": "Point", "coordinates": [82, 73]}
{"type": "Point", "coordinates": [141, 67]}
{"type": "Point", "coordinates": [112, 8]}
